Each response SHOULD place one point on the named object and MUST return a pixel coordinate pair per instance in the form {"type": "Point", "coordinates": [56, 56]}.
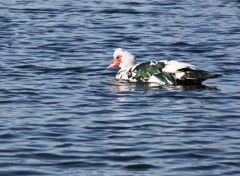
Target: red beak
{"type": "Point", "coordinates": [115, 63]}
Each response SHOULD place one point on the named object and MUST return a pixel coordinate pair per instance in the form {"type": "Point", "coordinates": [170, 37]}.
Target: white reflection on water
{"type": "Point", "coordinates": [117, 86]}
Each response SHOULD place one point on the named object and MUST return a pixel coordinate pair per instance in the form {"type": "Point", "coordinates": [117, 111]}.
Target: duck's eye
{"type": "Point", "coordinates": [118, 57]}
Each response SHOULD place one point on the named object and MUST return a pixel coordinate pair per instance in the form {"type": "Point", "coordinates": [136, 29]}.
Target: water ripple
{"type": "Point", "coordinates": [63, 113]}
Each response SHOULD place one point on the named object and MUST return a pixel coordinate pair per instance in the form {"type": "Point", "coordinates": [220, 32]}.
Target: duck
{"type": "Point", "coordinates": [163, 72]}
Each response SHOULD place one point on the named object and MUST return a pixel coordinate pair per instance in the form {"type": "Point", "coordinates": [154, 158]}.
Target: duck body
{"type": "Point", "coordinates": [163, 72]}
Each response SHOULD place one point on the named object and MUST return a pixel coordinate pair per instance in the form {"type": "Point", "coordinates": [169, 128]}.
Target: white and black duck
{"type": "Point", "coordinates": [164, 72]}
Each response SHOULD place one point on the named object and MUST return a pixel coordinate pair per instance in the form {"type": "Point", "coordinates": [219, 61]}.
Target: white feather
{"type": "Point", "coordinates": [179, 74]}
{"type": "Point", "coordinates": [128, 59]}
{"type": "Point", "coordinates": [154, 79]}
{"type": "Point", "coordinates": [172, 66]}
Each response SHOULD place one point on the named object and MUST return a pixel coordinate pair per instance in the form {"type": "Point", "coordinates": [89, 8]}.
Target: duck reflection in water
{"type": "Point", "coordinates": [122, 86]}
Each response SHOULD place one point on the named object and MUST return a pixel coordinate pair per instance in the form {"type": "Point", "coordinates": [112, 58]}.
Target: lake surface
{"type": "Point", "coordinates": [63, 113]}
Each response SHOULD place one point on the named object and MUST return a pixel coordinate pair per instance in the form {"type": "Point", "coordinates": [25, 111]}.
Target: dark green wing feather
{"type": "Point", "coordinates": [166, 78]}
{"type": "Point", "coordinates": [147, 69]}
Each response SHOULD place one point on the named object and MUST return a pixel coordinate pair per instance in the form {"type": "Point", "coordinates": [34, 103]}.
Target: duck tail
{"type": "Point", "coordinates": [196, 76]}
{"type": "Point", "coordinates": [213, 75]}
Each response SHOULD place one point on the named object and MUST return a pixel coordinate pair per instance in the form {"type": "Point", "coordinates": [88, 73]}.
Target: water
{"type": "Point", "coordinates": [63, 113]}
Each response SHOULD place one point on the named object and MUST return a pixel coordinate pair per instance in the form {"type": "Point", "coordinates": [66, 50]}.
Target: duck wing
{"type": "Point", "coordinates": [151, 71]}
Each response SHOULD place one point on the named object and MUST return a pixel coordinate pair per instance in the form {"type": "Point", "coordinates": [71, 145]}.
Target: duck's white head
{"type": "Point", "coordinates": [122, 59]}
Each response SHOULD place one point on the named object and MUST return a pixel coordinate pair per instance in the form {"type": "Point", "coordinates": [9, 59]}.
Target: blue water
{"type": "Point", "coordinates": [63, 113]}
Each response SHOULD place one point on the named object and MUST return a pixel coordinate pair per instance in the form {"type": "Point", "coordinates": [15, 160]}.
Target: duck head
{"type": "Point", "coordinates": [122, 59]}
